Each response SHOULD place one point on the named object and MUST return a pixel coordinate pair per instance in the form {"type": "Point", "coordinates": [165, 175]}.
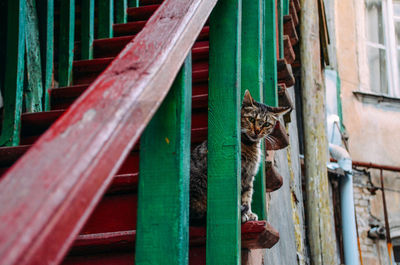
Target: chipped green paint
{"type": "Point", "coordinates": [280, 27]}
{"type": "Point", "coordinates": [163, 198]}
{"type": "Point", "coordinates": [106, 19]}
{"type": "Point", "coordinates": [66, 50]}
{"type": "Point", "coordinates": [269, 54]}
{"type": "Point", "coordinates": [133, 3]}
{"type": "Point", "coordinates": [121, 15]}
{"type": "Point", "coordinates": [251, 73]}
{"type": "Point", "coordinates": [45, 10]}
{"type": "Point", "coordinates": [33, 91]}
{"type": "Point", "coordinates": [87, 29]}
{"type": "Point", "coordinates": [14, 73]}
{"type": "Point", "coordinates": [223, 208]}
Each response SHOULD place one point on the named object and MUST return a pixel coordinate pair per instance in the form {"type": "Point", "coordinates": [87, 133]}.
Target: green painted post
{"type": "Point", "coordinates": [252, 80]}
{"type": "Point", "coordinates": [163, 199]}
{"type": "Point", "coordinates": [87, 29]}
{"type": "Point", "coordinates": [223, 208]}
{"type": "Point", "coordinates": [133, 3]}
{"type": "Point", "coordinates": [14, 76]}
{"type": "Point", "coordinates": [269, 54]}
{"type": "Point", "coordinates": [120, 11]}
{"type": "Point", "coordinates": [34, 89]}
{"type": "Point", "coordinates": [45, 10]}
{"type": "Point", "coordinates": [106, 18]}
{"type": "Point", "coordinates": [66, 57]}
{"type": "Point", "coordinates": [286, 4]}
{"type": "Point", "coordinates": [280, 28]}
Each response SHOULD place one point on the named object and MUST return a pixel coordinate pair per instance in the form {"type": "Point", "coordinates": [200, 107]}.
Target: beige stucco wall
{"type": "Point", "coordinates": [374, 129]}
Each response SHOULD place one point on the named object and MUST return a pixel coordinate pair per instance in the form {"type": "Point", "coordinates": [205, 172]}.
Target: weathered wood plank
{"type": "Point", "coordinates": [33, 92]}
{"type": "Point", "coordinates": [121, 7]}
{"type": "Point", "coordinates": [251, 73]}
{"type": "Point", "coordinates": [45, 10]}
{"type": "Point", "coordinates": [87, 29]}
{"type": "Point", "coordinates": [66, 51]}
{"type": "Point", "coordinates": [269, 55]}
{"type": "Point", "coordinates": [45, 206]}
{"type": "Point", "coordinates": [223, 208]}
{"type": "Point", "coordinates": [14, 73]}
{"type": "Point", "coordinates": [106, 19]}
{"type": "Point", "coordinates": [166, 142]}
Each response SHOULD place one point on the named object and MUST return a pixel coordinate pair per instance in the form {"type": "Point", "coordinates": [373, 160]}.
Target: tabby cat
{"type": "Point", "coordinates": [257, 122]}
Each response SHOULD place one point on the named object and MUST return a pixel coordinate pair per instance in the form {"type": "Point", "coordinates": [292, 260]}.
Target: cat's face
{"type": "Point", "coordinates": [257, 119]}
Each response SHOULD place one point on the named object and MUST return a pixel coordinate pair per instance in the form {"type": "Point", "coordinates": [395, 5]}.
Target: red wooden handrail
{"type": "Point", "coordinates": [47, 196]}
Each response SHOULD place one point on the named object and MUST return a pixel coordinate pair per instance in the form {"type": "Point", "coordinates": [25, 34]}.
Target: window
{"type": "Point", "coordinates": [383, 46]}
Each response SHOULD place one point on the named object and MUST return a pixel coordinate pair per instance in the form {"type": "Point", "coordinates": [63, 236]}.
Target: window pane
{"type": "Point", "coordinates": [377, 70]}
{"type": "Point", "coordinates": [375, 30]}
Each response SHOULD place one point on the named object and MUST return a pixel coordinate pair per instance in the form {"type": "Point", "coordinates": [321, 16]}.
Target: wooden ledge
{"type": "Point", "coordinates": [289, 53]}
{"type": "Point", "coordinates": [290, 29]}
{"type": "Point", "coordinates": [273, 180]}
{"type": "Point", "coordinates": [278, 138]}
{"type": "Point", "coordinates": [285, 73]}
{"type": "Point", "coordinates": [293, 13]}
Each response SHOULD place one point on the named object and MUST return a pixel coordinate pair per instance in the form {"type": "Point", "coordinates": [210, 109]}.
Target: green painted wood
{"type": "Point", "coordinates": [286, 4]}
{"type": "Point", "coordinates": [3, 45]}
{"type": "Point", "coordinates": [120, 11]}
{"type": "Point", "coordinates": [106, 18]}
{"type": "Point", "coordinates": [269, 54]}
{"type": "Point", "coordinates": [66, 56]}
{"type": "Point", "coordinates": [45, 10]}
{"type": "Point", "coordinates": [87, 29]}
{"type": "Point", "coordinates": [133, 3]}
{"type": "Point", "coordinates": [251, 73]}
{"type": "Point", "coordinates": [33, 91]}
{"type": "Point", "coordinates": [280, 27]}
{"type": "Point", "coordinates": [14, 73]}
{"type": "Point", "coordinates": [223, 188]}
{"type": "Point", "coordinates": [163, 198]}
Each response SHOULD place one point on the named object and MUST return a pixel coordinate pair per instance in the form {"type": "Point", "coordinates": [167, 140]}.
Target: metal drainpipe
{"type": "Point", "coordinates": [349, 230]}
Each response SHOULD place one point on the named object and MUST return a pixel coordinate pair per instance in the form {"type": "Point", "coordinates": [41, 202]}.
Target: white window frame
{"type": "Point", "coordinates": [393, 78]}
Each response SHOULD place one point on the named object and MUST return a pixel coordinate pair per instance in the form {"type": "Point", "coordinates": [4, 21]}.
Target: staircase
{"type": "Point", "coordinates": [108, 235]}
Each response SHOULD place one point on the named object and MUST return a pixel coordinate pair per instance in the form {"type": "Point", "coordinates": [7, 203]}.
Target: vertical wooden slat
{"type": "Point", "coordinates": [14, 77]}
{"type": "Point", "coordinates": [45, 10]}
{"type": "Point", "coordinates": [286, 4]}
{"type": "Point", "coordinates": [66, 57]}
{"type": "Point", "coordinates": [34, 89]}
{"type": "Point", "coordinates": [120, 11]}
{"type": "Point", "coordinates": [3, 45]}
{"type": "Point", "coordinates": [106, 18]}
{"type": "Point", "coordinates": [280, 27]}
{"type": "Point", "coordinates": [269, 54]}
{"type": "Point", "coordinates": [133, 3]}
{"type": "Point", "coordinates": [163, 202]}
{"type": "Point", "coordinates": [252, 80]}
{"type": "Point", "coordinates": [223, 208]}
{"type": "Point", "coordinates": [87, 29]}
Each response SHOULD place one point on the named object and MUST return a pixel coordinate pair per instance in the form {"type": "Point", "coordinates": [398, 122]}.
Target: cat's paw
{"type": "Point", "coordinates": [249, 216]}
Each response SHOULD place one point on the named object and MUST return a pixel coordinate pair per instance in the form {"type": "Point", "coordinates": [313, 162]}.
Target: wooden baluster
{"type": "Point", "coordinates": [163, 199]}
{"type": "Point", "coordinates": [269, 54]}
{"type": "Point", "coordinates": [46, 34]}
{"type": "Point", "coordinates": [252, 80]}
{"type": "Point", "coordinates": [106, 18]}
{"type": "Point", "coordinates": [14, 73]}
{"type": "Point", "coordinates": [66, 57]}
{"type": "Point", "coordinates": [286, 7]}
{"type": "Point", "coordinates": [279, 17]}
{"type": "Point", "coordinates": [223, 194]}
{"type": "Point", "coordinates": [87, 29]}
{"type": "Point", "coordinates": [120, 11]}
{"type": "Point", "coordinates": [133, 3]}
{"type": "Point", "coordinates": [34, 90]}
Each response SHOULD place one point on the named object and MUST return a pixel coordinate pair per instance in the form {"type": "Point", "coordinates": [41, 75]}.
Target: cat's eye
{"type": "Point", "coordinates": [251, 119]}
{"type": "Point", "coordinates": [267, 124]}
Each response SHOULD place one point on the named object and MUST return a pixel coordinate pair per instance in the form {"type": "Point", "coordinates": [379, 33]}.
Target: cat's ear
{"type": "Point", "coordinates": [279, 110]}
{"type": "Point", "coordinates": [247, 99]}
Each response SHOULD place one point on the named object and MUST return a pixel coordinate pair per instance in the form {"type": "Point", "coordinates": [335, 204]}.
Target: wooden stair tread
{"type": "Point", "coordinates": [129, 28]}
{"type": "Point", "coordinates": [290, 29]}
{"type": "Point", "coordinates": [255, 234]}
{"type": "Point", "coordinates": [289, 53]}
{"type": "Point", "coordinates": [141, 12]}
{"type": "Point", "coordinates": [285, 73]}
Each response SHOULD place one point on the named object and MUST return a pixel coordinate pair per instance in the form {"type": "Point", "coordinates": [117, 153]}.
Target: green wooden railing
{"type": "Point", "coordinates": [243, 45]}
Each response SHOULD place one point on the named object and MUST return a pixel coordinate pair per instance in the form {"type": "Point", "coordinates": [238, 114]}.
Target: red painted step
{"type": "Point", "coordinates": [62, 98]}
{"type": "Point", "coordinates": [141, 13]}
{"type": "Point", "coordinates": [130, 28]}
